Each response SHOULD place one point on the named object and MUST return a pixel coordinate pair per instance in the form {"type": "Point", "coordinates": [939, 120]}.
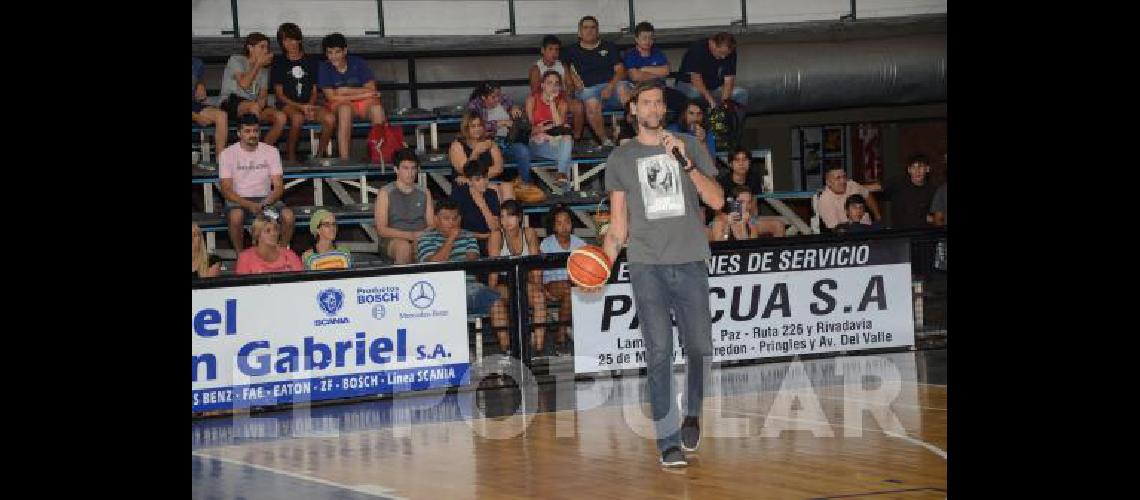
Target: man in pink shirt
{"type": "Point", "coordinates": [252, 179]}
{"type": "Point", "coordinates": [831, 201]}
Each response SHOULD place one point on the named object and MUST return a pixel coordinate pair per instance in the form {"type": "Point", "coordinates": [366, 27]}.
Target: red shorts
{"type": "Point", "coordinates": [359, 107]}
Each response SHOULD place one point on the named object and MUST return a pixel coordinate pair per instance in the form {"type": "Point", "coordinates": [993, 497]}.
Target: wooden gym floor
{"type": "Point", "coordinates": [846, 427]}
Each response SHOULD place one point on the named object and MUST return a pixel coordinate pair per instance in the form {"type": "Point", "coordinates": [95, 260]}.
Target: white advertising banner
{"type": "Point", "coordinates": [767, 303]}
{"type": "Point", "coordinates": [312, 340]}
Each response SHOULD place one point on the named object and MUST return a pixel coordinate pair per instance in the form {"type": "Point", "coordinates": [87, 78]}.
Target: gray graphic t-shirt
{"type": "Point", "coordinates": [240, 64]}
{"type": "Point", "coordinates": [665, 223]}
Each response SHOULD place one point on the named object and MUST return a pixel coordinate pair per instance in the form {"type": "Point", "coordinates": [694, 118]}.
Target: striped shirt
{"type": "Point", "coordinates": [337, 258]}
{"type": "Point", "coordinates": [432, 240]}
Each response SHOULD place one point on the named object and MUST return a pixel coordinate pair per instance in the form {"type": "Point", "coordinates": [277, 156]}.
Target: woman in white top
{"type": "Point", "coordinates": [513, 240]}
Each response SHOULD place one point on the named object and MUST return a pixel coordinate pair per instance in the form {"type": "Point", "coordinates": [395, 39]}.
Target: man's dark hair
{"type": "Point", "coordinates": [587, 18]}
{"type": "Point", "coordinates": [512, 207]}
{"type": "Point", "coordinates": [290, 31]}
{"type": "Point", "coordinates": [641, 28]}
{"type": "Point", "coordinates": [253, 39]}
{"type": "Point", "coordinates": [552, 72]}
{"type": "Point", "coordinates": [557, 209]}
{"type": "Point", "coordinates": [644, 85]}
{"type": "Point", "coordinates": [684, 117]}
{"type": "Point", "coordinates": [917, 158]}
{"type": "Point", "coordinates": [855, 199]}
{"type": "Point", "coordinates": [740, 149]}
{"type": "Point", "coordinates": [484, 89]}
{"type": "Point", "coordinates": [335, 40]}
{"type": "Point", "coordinates": [722, 38]}
{"type": "Point", "coordinates": [248, 119]}
{"type": "Point", "coordinates": [474, 168]}
{"type": "Point", "coordinates": [833, 166]}
{"type": "Point", "coordinates": [549, 40]}
{"type": "Point", "coordinates": [446, 204]}
{"type": "Point", "coordinates": [406, 154]}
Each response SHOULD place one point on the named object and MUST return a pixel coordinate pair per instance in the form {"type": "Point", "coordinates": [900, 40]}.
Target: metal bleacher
{"type": "Point", "coordinates": [435, 166]}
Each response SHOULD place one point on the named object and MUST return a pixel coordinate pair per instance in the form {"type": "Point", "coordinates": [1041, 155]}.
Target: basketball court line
{"type": "Point", "coordinates": [934, 449]}
{"type": "Point", "coordinates": [884, 492]}
{"type": "Point", "coordinates": [904, 405]}
{"type": "Point", "coordinates": [617, 404]}
{"type": "Point", "coordinates": [371, 490]}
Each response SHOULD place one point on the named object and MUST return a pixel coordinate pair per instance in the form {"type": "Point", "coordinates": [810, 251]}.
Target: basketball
{"type": "Point", "coordinates": [588, 266]}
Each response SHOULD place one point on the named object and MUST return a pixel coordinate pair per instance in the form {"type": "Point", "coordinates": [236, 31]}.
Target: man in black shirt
{"type": "Point", "coordinates": [293, 79]}
{"type": "Point", "coordinates": [910, 195]}
{"type": "Point", "coordinates": [710, 65]}
{"type": "Point", "coordinates": [595, 67]}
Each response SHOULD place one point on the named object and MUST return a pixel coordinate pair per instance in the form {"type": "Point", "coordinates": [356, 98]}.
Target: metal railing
{"type": "Point", "coordinates": [512, 24]}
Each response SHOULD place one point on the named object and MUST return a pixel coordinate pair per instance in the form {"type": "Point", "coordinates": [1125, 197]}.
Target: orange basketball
{"type": "Point", "coordinates": [588, 266]}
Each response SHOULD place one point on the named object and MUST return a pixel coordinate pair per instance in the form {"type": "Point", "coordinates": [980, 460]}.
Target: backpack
{"type": "Point", "coordinates": [383, 142]}
{"type": "Point", "coordinates": [725, 124]}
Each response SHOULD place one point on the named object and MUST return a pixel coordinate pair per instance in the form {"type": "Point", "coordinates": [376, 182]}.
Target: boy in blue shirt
{"type": "Point", "coordinates": [350, 89]}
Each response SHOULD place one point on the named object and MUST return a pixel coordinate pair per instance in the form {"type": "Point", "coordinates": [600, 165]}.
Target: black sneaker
{"type": "Point", "coordinates": [673, 457]}
{"type": "Point", "coordinates": [691, 433]}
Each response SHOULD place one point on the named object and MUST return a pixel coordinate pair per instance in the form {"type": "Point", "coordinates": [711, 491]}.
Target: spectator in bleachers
{"type": "Point", "coordinates": [326, 253]}
{"type": "Point", "coordinates": [252, 179]}
{"type": "Point", "coordinates": [643, 61]}
{"type": "Point", "coordinates": [203, 114]}
{"type": "Point", "coordinates": [735, 221]}
{"type": "Point", "coordinates": [203, 264]}
{"type": "Point", "coordinates": [832, 208]}
{"type": "Point", "coordinates": [267, 255]}
{"type": "Point", "coordinates": [245, 86]}
{"type": "Point", "coordinates": [556, 282]}
{"type": "Point", "coordinates": [741, 173]}
{"type": "Point", "coordinates": [596, 68]}
{"type": "Point", "coordinates": [447, 242]}
{"type": "Point", "coordinates": [473, 144]}
{"type": "Point", "coordinates": [349, 88]}
{"type": "Point", "coordinates": [513, 240]}
{"type": "Point", "coordinates": [856, 208]}
{"type": "Point", "coordinates": [709, 65]}
{"type": "Point", "coordinates": [551, 46]}
{"type": "Point", "coordinates": [549, 134]}
{"type": "Point", "coordinates": [911, 194]}
{"type": "Point", "coordinates": [478, 205]}
{"type": "Point", "coordinates": [692, 122]}
{"type": "Point", "coordinates": [293, 77]}
{"type": "Point", "coordinates": [499, 113]}
{"type": "Point", "coordinates": [403, 211]}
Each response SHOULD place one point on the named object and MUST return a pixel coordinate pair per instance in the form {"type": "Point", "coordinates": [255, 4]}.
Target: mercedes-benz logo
{"type": "Point", "coordinates": [422, 294]}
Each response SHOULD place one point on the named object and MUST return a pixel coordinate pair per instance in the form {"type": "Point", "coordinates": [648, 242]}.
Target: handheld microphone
{"type": "Point", "coordinates": [677, 154]}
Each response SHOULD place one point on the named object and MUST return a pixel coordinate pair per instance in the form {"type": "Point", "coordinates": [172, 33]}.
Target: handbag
{"type": "Point", "coordinates": [383, 142]}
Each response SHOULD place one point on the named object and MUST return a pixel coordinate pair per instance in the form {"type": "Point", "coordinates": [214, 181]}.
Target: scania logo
{"type": "Point", "coordinates": [330, 300]}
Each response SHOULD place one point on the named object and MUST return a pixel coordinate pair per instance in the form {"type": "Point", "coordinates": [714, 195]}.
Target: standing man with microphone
{"type": "Point", "coordinates": [657, 182]}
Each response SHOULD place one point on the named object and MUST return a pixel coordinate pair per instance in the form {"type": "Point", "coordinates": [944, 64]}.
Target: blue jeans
{"type": "Point", "coordinates": [559, 152]}
{"type": "Point", "coordinates": [519, 154]}
{"type": "Point", "coordinates": [595, 93]}
{"type": "Point", "coordinates": [480, 297]}
{"type": "Point", "coordinates": [739, 94]}
{"type": "Point", "coordinates": [684, 288]}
